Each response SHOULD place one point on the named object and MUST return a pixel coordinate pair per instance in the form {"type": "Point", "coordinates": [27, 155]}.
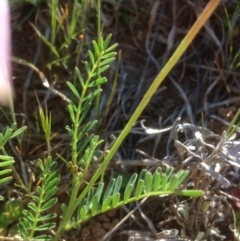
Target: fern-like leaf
{"type": "Point", "coordinates": [147, 184]}
{"type": "Point", "coordinates": [34, 219]}
{"type": "Point", "coordinates": [7, 161]}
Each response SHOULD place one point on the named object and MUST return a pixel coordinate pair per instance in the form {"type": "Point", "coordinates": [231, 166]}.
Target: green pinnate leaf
{"type": "Point", "coordinates": [32, 206]}
{"type": "Point", "coordinates": [35, 199]}
{"type": "Point", "coordinates": [13, 126]}
{"type": "Point", "coordinates": [87, 67]}
{"type": "Point", "coordinates": [5, 158]}
{"type": "Point", "coordinates": [100, 44]}
{"type": "Point", "coordinates": [106, 203]}
{"type": "Point", "coordinates": [46, 226]}
{"type": "Point", "coordinates": [128, 192]}
{"type": "Point", "coordinates": [106, 41]}
{"type": "Point", "coordinates": [108, 55]}
{"type": "Point", "coordinates": [47, 217]}
{"type": "Point", "coordinates": [80, 78]}
{"type": "Point", "coordinates": [148, 182]}
{"type": "Point", "coordinates": [53, 165]}
{"type": "Point", "coordinates": [73, 89]}
{"type": "Point", "coordinates": [5, 179]}
{"type": "Point", "coordinates": [164, 182]}
{"type": "Point", "coordinates": [63, 208]}
{"type": "Point", "coordinates": [43, 238]}
{"type": "Point", "coordinates": [39, 189]}
{"type": "Point", "coordinates": [106, 61]}
{"type": "Point", "coordinates": [116, 199]}
{"type": "Point", "coordinates": [6, 171]}
{"type": "Point", "coordinates": [49, 194]}
{"type": "Point", "coordinates": [129, 187]}
{"type": "Point", "coordinates": [48, 204]}
{"type": "Point", "coordinates": [110, 49]}
{"type": "Point", "coordinates": [89, 199]}
{"type": "Point", "coordinates": [173, 183]}
{"type": "Point", "coordinates": [7, 134]}
{"type": "Point", "coordinates": [92, 95]}
{"type": "Point", "coordinates": [97, 82]}
{"type": "Point", "coordinates": [139, 189]}
{"type": "Point", "coordinates": [90, 125]}
{"type": "Point", "coordinates": [26, 222]}
{"type": "Point", "coordinates": [91, 57]}
{"type": "Point", "coordinates": [29, 215]}
{"type": "Point", "coordinates": [48, 164]}
{"type": "Point", "coordinates": [51, 184]}
{"type": "Point", "coordinates": [157, 180]}
{"type": "Point", "coordinates": [51, 176]}
{"type": "Point", "coordinates": [83, 212]}
{"type": "Point", "coordinates": [169, 172]}
{"type": "Point", "coordinates": [85, 111]}
{"type": "Point", "coordinates": [190, 193]}
{"type": "Point", "coordinates": [101, 70]}
{"type": "Point", "coordinates": [132, 179]}
{"type": "Point", "coordinates": [109, 189]}
{"type": "Point", "coordinates": [143, 174]}
{"type": "Point", "coordinates": [96, 49]}
{"type": "Point", "coordinates": [40, 165]}
{"type": "Point", "coordinates": [14, 209]}
{"type": "Point", "coordinates": [95, 204]}
{"type": "Point", "coordinates": [18, 132]}
{"type": "Point", "coordinates": [83, 147]}
{"type": "Point", "coordinates": [69, 130]}
{"type": "Point", "coordinates": [181, 176]}
{"type": "Point", "coordinates": [118, 185]}
{"type": "Point", "coordinates": [99, 190]}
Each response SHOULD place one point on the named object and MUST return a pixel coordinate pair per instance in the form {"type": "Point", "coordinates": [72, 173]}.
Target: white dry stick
{"type": "Point", "coordinates": [6, 90]}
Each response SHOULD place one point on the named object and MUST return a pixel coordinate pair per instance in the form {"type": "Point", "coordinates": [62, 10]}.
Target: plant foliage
{"type": "Point", "coordinates": [34, 219]}
{"type": "Point", "coordinates": [145, 184]}
{"type": "Point", "coordinates": [90, 88]}
{"type": "Point", "coordinates": [6, 161]}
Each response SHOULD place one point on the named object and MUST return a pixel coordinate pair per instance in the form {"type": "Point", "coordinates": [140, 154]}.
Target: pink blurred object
{"type": "Point", "coordinates": [6, 89]}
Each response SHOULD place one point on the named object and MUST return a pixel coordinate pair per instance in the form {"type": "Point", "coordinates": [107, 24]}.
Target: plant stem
{"type": "Point", "coordinates": [70, 208]}
{"type": "Point", "coordinates": [96, 114]}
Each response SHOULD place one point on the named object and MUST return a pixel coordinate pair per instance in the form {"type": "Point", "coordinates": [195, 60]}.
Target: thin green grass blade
{"type": "Point", "coordinates": [52, 48]}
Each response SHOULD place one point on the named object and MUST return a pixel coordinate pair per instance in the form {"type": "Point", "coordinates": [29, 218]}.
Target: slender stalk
{"type": "Point", "coordinates": [70, 209]}
{"type": "Point", "coordinates": [97, 101]}
{"type": "Point", "coordinates": [53, 7]}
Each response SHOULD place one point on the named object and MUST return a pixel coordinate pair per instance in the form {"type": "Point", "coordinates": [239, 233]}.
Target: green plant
{"type": "Point", "coordinates": [6, 161]}
{"type": "Point", "coordinates": [46, 121]}
{"type": "Point", "coordinates": [232, 27]}
{"type": "Point", "coordinates": [35, 220]}
{"type": "Point", "coordinates": [94, 199]}
{"type": "Point", "coordinates": [68, 26]}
